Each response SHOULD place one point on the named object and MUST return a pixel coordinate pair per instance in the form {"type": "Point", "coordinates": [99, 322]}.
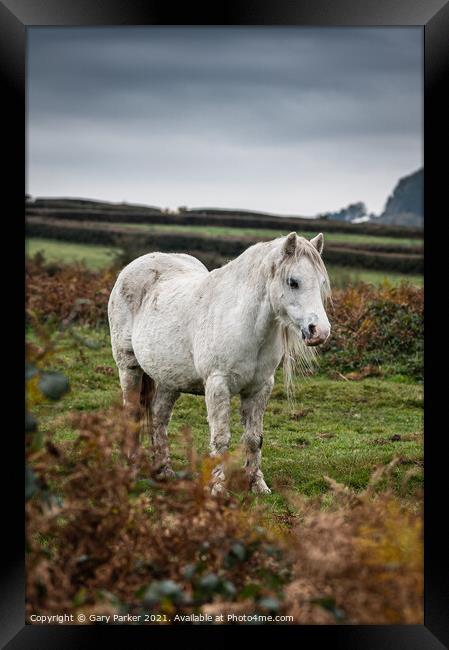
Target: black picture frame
{"type": "Point", "coordinates": [433, 15]}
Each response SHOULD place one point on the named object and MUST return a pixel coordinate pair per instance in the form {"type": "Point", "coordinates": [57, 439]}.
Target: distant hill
{"type": "Point", "coordinates": [241, 213]}
{"type": "Point", "coordinates": [405, 207]}
{"type": "Point", "coordinates": [85, 204]}
{"type": "Point", "coordinates": [51, 203]}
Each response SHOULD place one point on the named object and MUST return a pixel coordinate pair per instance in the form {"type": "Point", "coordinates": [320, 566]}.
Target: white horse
{"type": "Point", "coordinates": [178, 328]}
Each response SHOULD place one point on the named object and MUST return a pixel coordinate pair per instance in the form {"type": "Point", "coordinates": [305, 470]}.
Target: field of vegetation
{"type": "Point", "coordinates": [100, 257]}
{"type": "Point", "coordinates": [338, 541]}
{"type": "Point", "coordinates": [215, 236]}
{"type": "Point", "coordinates": [222, 231]}
{"type": "Point", "coordinates": [93, 257]}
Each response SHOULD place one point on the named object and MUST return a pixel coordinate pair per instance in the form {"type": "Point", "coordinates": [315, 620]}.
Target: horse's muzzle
{"type": "Point", "coordinates": [314, 335]}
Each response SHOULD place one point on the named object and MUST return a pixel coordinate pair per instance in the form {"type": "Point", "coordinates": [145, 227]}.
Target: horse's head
{"type": "Point", "coordinates": [299, 287]}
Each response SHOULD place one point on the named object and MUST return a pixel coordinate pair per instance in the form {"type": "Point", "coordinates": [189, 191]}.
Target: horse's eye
{"type": "Point", "coordinates": [293, 283]}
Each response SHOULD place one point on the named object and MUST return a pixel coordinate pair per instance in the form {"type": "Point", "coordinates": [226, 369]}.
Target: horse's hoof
{"type": "Point", "coordinates": [218, 489]}
{"type": "Point", "coordinates": [260, 487]}
{"type": "Point", "coordinates": [165, 474]}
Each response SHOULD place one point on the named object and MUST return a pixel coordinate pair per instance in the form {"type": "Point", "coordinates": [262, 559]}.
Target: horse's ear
{"type": "Point", "coordinates": [318, 242]}
{"type": "Point", "coordinates": [290, 244]}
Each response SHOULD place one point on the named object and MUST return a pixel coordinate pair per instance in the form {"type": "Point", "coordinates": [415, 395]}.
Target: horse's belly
{"type": "Point", "coordinates": [163, 350]}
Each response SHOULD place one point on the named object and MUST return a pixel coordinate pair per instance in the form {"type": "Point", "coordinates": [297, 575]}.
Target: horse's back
{"type": "Point", "coordinates": [164, 264]}
{"type": "Point", "coordinates": [141, 275]}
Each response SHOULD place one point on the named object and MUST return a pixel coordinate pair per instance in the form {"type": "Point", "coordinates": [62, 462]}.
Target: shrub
{"type": "Point", "coordinates": [60, 292]}
{"type": "Point", "coordinates": [378, 327]}
{"type": "Point", "coordinates": [359, 559]}
{"type": "Point", "coordinates": [104, 537]}
{"type": "Point", "coordinates": [100, 539]}
{"type": "Point", "coordinates": [101, 535]}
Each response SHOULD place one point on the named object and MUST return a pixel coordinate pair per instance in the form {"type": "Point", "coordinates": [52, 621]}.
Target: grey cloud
{"type": "Point", "coordinates": [98, 94]}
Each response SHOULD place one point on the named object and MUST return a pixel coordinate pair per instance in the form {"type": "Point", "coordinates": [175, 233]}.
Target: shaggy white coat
{"type": "Point", "coordinates": [218, 333]}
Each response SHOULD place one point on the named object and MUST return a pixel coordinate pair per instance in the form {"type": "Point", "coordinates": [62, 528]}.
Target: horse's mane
{"type": "Point", "coordinates": [297, 356]}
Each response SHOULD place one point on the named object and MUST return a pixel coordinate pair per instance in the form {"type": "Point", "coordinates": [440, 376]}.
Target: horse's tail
{"type": "Point", "coordinates": [147, 391]}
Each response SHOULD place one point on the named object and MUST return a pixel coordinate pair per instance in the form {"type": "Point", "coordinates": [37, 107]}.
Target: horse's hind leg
{"type": "Point", "coordinates": [252, 410]}
{"type": "Point", "coordinates": [161, 409]}
{"type": "Point", "coordinates": [130, 382]}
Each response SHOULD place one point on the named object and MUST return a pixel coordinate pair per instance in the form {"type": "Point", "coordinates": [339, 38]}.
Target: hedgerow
{"type": "Point", "coordinates": [90, 232]}
{"type": "Point", "coordinates": [62, 210]}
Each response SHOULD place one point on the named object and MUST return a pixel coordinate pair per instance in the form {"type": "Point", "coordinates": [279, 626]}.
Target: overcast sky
{"type": "Point", "coordinates": [286, 120]}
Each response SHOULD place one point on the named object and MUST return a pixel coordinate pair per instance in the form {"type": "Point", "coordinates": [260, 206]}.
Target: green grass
{"type": "Point", "coordinates": [341, 276]}
{"type": "Point", "coordinates": [222, 231]}
{"type": "Point", "coordinates": [339, 429]}
{"type": "Point", "coordinates": [97, 257]}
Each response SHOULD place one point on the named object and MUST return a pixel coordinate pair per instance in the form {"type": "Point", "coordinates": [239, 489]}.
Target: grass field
{"type": "Point", "coordinates": [342, 429]}
{"type": "Point", "coordinates": [223, 231]}
{"type": "Point", "coordinates": [96, 257]}
{"type": "Point", "coordinates": [332, 551]}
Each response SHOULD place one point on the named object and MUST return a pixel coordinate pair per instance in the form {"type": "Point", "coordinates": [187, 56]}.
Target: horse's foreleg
{"type": "Point", "coordinates": [252, 410]}
{"type": "Point", "coordinates": [218, 401]}
{"type": "Point", "coordinates": [161, 409]}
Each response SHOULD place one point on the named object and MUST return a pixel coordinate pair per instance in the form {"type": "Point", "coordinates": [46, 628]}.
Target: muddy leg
{"type": "Point", "coordinates": [130, 382]}
{"type": "Point", "coordinates": [161, 410]}
{"type": "Point", "coordinates": [218, 407]}
{"type": "Point", "coordinates": [252, 410]}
